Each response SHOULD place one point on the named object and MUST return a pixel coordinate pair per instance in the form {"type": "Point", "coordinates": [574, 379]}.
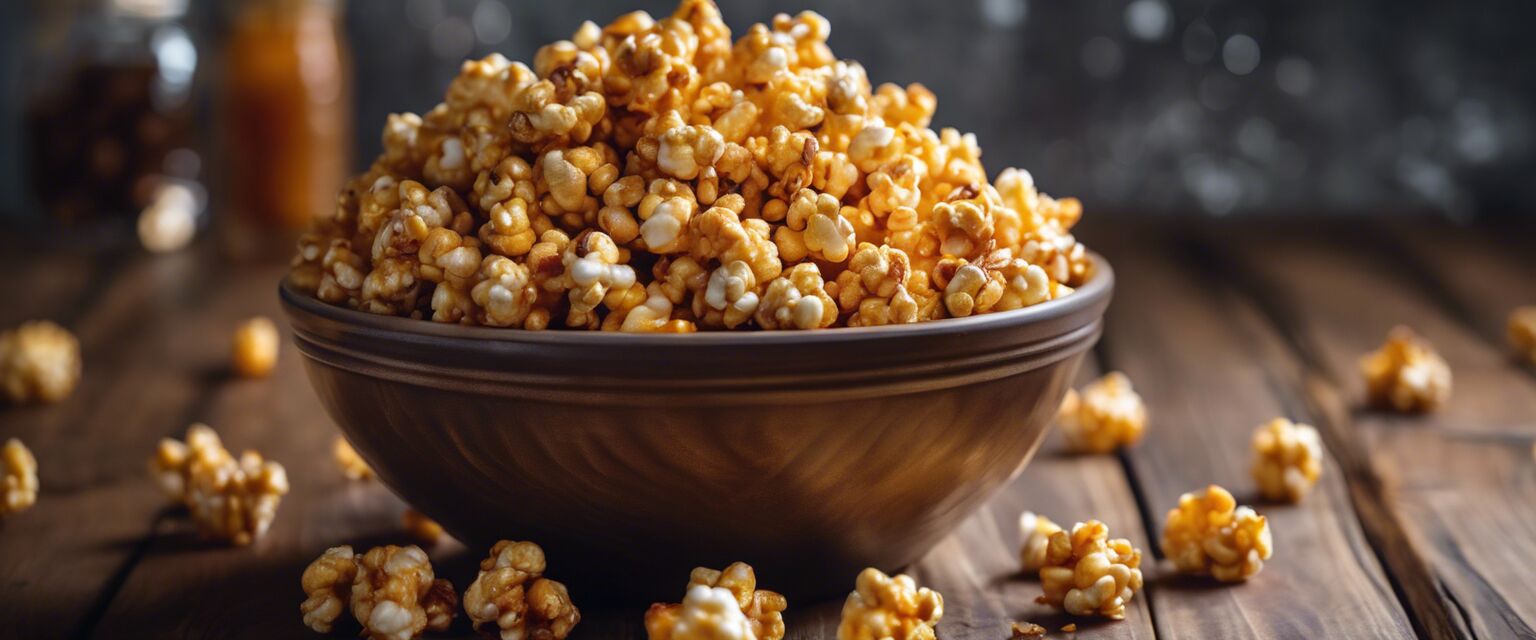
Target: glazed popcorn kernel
{"type": "Point", "coordinates": [882, 606]}
{"type": "Point", "coordinates": [1035, 533]}
{"type": "Point", "coordinates": [234, 500]}
{"type": "Point", "coordinates": [1088, 574]}
{"type": "Point", "coordinates": [706, 613]}
{"type": "Point", "coordinates": [1287, 459]}
{"type": "Point", "coordinates": [1522, 332]}
{"type": "Point", "coordinates": [352, 465]}
{"type": "Point", "coordinates": [327, 586]}
{"type": "Point", "coordinates": [1023, 630]}
{"type": "Point", "coordinates": [254, 350]}
{"type": "Point", "coordinates": [668, 139]}
{"type": "Point", "coordinates": [395, 595]}
{"type": "Point", "coordinates": [421, 528]}
{"type": "Point", "coordinates": [171, 465]}
{"type": "Point", "coordinates": [39, 362]}
{"type": "Point", "coordinates": [763, 610]}
{"type": "Point", "coordinates": [1406, 374]}
{"type": "Point", "coordinates": [18, 478]}
{"type": "Point", "coordinates": [511, 595]}
{"type": "Point", "coordinates": [1208, 534]}
{"type": "Point", "coordinates": [1106, 415]}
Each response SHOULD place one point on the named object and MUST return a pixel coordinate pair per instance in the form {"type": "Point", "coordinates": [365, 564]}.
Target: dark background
{"type": "Point", "coordinates": [1159, 106]}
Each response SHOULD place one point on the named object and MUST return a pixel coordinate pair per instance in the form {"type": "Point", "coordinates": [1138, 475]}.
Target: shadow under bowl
{"type": "Point", "coordinates": [633, 458]}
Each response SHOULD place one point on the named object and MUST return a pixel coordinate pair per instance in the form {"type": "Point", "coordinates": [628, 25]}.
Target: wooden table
{"type": "Point", "coordinates": [1421, 525]}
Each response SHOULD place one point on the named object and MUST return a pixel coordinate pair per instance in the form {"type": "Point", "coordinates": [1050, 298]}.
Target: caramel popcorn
{"type": "Point", "coordinates": [1023, 630]}
{"type": "Point", "coordinates": [512, 593]}
{"type": "Point", "coordinates": [423, 529]}
{"type": "Point", "coordinates": [1208, 534]}
{"type": "Point", "coordinates": [1406, 374]}
{"type": "Point", "coordinates": [651, 140]}
{"type": "Point", "coordinates": [353, 466]}
{"type": "Point", "coordinates": [395, 595]}
{"type": "Point", "coordinates": [881, 607]}
{"type": "Point", "coordinates": [327, 584]}
{"type": "Point", "coordinates": [1035, 533]}
{"type": "Point", "coordinates": [18, 471]}
{"type": "Point", "coordinates": [1106, 415]}
{"type": "Point", "coordinates": [762, 611]}
{"type": "Point", "coordinates": [230, 499]}
{"type": "Point", "coordinates": [1522, 332]}
{"type": "Point", "coordinates": [1287, 459]}
{"type": "Point", "coordinates": [255, 347]}
{"type": "Point", "coordinates": [172, 463]}
{"type": "Point", "coordinates": [1088, 574]}
{"type": "Point", "coordinates": [39, 362]}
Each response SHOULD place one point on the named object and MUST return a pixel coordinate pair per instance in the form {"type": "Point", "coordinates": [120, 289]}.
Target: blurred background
{"type": "Point", "coordinates": [1374, 107]}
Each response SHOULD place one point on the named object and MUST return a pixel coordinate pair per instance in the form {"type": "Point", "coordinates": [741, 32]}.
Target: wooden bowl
{"type": "Point", "coordinates": [633, 458]}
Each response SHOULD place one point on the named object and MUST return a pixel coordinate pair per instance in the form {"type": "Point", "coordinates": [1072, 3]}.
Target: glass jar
{"type": "Point", "coordinates": [287, 109]}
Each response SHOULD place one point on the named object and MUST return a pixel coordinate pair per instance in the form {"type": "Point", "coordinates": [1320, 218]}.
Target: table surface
{"type": "Point", "coordinates": [1420, 526]}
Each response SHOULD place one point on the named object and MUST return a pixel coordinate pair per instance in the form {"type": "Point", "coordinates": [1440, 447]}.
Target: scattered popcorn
{"type": "Point", "coordinates": [706, 613]}
{"type": "Point", "coordinates": [395, 595]}
{"type": "Point", "coordinates": [423, 529]}
{"type": "Point", "coordinates": [1208, 534]}
{"type": "Point", "coordinates": [254, 352]}
{"type": "Point", "coordinates": [883, 607]}
{"type": "Point", "coordinates": [328, 584]}
{"type": "Point", "coordinates": [39, 362]}
{"type": "Point", "coordinates": [1024, 630]}
{"type": "Point", "coordinates": [1107, 415]}
{"type": "Point", "coordinates": [1522, 332]}
{"type": "Point", "coordinates": [1035, 532]}
{"type": "Point", "coordinates": [1406, 374]}
{"type": "Point", "coordinates": [1287, 459]}
{"type": "Point", "coordinates": [352, 465]}
{"type": "Point", "coordinates": [763, 610]}
{"type": "Point", "coordinates": [172, 463]}
{"type": "Point", "coordinates": [230, 499]}
{"type": "Point", "coordinates": [18, 478]}
{"type": "Point", "coordinates": [654, 140]}
{"type": "Point", "coordinates": [1088, 574]}
{"type": "Point", "coordinates": [512, 594]}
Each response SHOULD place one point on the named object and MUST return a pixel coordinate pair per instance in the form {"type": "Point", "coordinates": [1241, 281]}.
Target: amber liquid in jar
{"type": "Point", "coordinates": [287, 109]}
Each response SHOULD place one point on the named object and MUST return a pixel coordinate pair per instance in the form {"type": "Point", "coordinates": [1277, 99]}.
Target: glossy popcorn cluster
{"type": "Point", "coordinates": [1209, 534]}
{"type": "Point", "coordinates": [655, 175]}
{"type": "Point", "coordinates": [720, 604]}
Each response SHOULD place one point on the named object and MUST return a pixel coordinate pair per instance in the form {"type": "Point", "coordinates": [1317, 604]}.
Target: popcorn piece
{"type": "Point", "coordinates": [1024, 630]}
{"type": "Point", "coordinates": [1208, 534]}
{"type": "Point", "coordinates": [170, 220]}
{"type": "Point", "coordinates": [327, 584]}
{"type": "Point", "coordinates": [172, 463]}
{"type": "Point", "coordinates": [1522, 332]}
{"type": "Point", "coordinates": [353, 466]}
{"type": "Point", "coordinates": [39, 362]}
{"type": "Point", "coordinates": [762, 610]}
{"type": "Point", "coordinates": [1107, 415]}
{"type": "Point", "coordinates": [18, 478]}
{"type": "Point", "coordinates": [254, 352]}
{"type": "Point", "coordinates": [1035, 532]}
{"type": "Point", "coordinates": [885, 607]}
{"type": "Point", "coordinates": [395, 595]}
{"type": "Point", "coordinates": [1088, 574]}
{"type": "Point", "coordinates": [1406, 374]}
{"type": "Point", "coordinates": [512, 593]}
{"type": "Point", "coordinates": [797, 300]}
{"type": "Point", "coordinates": [235, 500]}
{"type": "Point", "coordinates": [421, 528]}
{"type": "Point", "coordinates": [1287, 459]}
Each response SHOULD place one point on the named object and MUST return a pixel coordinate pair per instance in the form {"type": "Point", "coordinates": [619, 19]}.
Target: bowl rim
{"type": "Point", "coordinates": [1092, 293]}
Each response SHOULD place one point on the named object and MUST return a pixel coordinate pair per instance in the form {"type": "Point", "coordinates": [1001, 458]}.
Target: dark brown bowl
{"type": "Point", "coordinates": [634, 458]}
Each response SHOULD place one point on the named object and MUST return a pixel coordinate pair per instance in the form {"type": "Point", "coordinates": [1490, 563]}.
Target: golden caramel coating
{"type": "Point", "coordinates": [254, 349]}
{"type": "Point", "coordinates": [882, 607]}
{"type": "Point", "coordinates": [511, 594]}
{"type": "Point", "coordinates": [1035, 533]}
{"type": "Point", "coordinates": [1287, 459]}
{"type": "Point", "coordinates": [671, 139]}
{"type": "Point", "coordinates": [395, 595]}
{"type": "Point", "coordinates": [18, 478]}
{"type": "Point", "coordinates": [763, 610]}
{"type": "Point", "coordinates": [172, 463]}
{"type": "Point", "coordinates": [1406, 374]}
{"type": "Point", "coordinates": [1086, 573]}
{"type": "Point", "coordinates": [234, 500]}
{"type": "Point", "coordinates": [327, 586]}
{"type": "Point", "coordinates": [39, 363]}
{"type": "Point", "coordinates": [1026, 630]}
{"type": "Point", "coordinates": [353, 466]}
{"type": "Point", "coordinates": [1208, 534]}
{"type": "Point", "coordinates": [1106, 415]}
{"type": "Point", "coordinates": [1522, 332]}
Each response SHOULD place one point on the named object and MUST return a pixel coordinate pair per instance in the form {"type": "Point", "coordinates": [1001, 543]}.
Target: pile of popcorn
{"type": "Point", "coordinates": [654, 175]}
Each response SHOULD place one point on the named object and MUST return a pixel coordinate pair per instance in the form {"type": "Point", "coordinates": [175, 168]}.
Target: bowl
{"type": "Point", "coordinates": [633, 458]}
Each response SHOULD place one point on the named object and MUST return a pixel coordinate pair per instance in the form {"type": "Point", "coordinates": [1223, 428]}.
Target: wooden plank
{"type": "Point", "coordinates": [1206, 364]}
{"type": "Point", "coordinates": [1458, 478]}
{"type": "Point", "coordinates": [186, 588]}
